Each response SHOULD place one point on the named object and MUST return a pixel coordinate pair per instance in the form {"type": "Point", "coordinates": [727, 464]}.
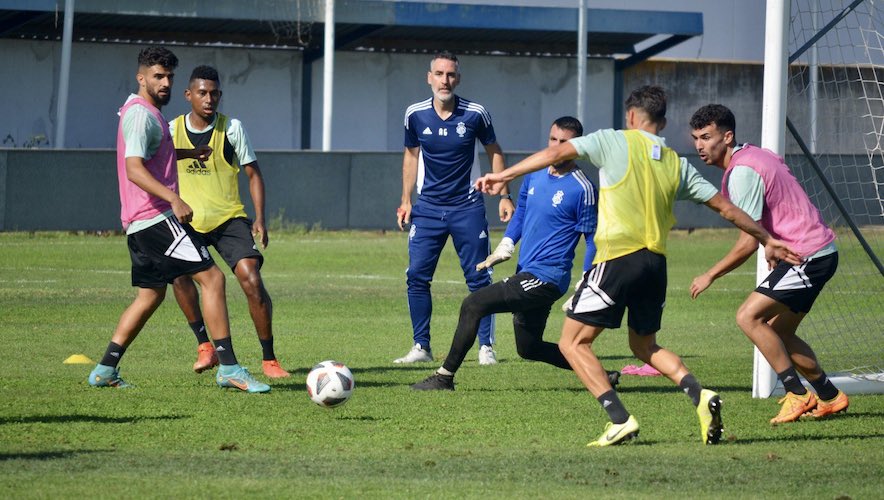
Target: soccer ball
{"type": "Point", "coordinates": [330, 384]}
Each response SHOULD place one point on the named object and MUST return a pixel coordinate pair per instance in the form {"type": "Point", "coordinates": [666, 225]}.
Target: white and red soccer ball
{"type": "Point", "coordinates": [330, 383]}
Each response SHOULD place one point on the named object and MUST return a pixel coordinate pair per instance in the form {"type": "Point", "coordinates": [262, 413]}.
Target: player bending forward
{"type": "Point", "coordinates": [556, 206]}
{"type": "Point", "coordinates": [759, 182]}
{"type": "Point", "coordinates": [640, 181]}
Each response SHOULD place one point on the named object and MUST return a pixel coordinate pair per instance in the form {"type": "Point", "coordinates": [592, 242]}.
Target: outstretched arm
{"type": "Point", "coordinates": [774, 249]}
{"type": "Point", "coordinates": [505, 207]}
{"type": "Point", "coordinates": [742, 250]}
{"type": "Point", "coordinates": [494, 183]}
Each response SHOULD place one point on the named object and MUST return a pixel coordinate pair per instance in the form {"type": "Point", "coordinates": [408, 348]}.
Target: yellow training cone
{"type": "Point", "coordinates": [78, 359]}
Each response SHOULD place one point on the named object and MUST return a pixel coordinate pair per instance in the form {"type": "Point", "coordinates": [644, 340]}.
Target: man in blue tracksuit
{"type": "Point", "coordinates": [442, 161]}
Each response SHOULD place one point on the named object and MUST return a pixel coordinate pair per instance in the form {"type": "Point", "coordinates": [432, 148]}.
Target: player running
{"type": "Point", "coordinates": [162, 246]}
{"type": "Point", "coordinates": [211, 187]}
{"type": "Point", "coordinates": [759, 182]}
{"type": "Point", "coordinates": [556, 206]}
{"type": "Point", "coordinates": [640, 181]}
{"type": "Point", "coordinates": [440, 157]}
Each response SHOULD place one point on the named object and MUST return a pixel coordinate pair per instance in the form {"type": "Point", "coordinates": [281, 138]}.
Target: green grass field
{"type": "Point", "coordinates": [517, 429]}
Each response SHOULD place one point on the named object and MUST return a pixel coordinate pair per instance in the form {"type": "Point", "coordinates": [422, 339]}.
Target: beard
{"type": "Point", "coordinates": [445, 98]}
{"type": "Point", "coordinates": [161, 100]}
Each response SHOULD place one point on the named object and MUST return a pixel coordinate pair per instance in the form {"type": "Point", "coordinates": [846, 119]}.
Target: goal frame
{"type": "Point", "coordinates": [775, 122]}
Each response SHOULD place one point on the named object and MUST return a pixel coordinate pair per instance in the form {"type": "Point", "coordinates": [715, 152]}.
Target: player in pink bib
{"type": "Point", "coordinates": [162, 245]}
{"type": "Point", "coordinates": [759, 182]}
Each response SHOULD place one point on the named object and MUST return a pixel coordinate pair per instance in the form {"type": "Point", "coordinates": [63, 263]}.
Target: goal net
{"type": "Point", "coordinates": [292, 21]}
{"type": "Point", "coordinates": [835, 123]}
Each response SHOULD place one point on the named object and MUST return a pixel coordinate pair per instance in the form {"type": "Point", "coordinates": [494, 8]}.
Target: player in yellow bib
{"type": "Point", "coordinates": [640, 179]}
{"type": "Point", "coordinates": [211, 187]}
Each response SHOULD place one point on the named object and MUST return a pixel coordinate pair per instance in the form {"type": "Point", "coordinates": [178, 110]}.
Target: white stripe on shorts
{"type": "Point", "coordinates": [592, 298]}
{"type": "Point", "coordinates": [182, 247]}
{"type": "Point", "coordinates": [794, 279]}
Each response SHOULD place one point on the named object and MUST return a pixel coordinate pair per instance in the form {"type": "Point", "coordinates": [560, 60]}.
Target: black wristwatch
{"type": "Point", "coordinates": [506, 197]}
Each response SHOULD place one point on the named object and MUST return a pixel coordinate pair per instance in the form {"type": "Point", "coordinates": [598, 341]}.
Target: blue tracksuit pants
{"type": "Point", "coordinates": [430, 228]}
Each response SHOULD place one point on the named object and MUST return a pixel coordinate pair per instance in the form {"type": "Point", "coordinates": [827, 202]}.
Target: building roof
{"type": "Point", "coordinates": [375, 25]}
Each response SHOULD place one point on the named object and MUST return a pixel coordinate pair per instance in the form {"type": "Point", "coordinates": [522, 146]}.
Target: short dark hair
{"type": "Point", "coordinates": [570, 123]}
{"type": "Point", "coordinates": [444, 55]}
{"type": "Point", "coordinates": [204, 72]}
{"type": "Point", "coordinates": [651, 99]}
{"type": "Point", "coordinates": [714, 114]}
{"type": "Point", "coordinates": [153, 55]}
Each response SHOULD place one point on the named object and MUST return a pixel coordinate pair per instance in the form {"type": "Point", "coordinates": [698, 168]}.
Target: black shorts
{"type": "Point", "coordinates": [164, 252]}
{"type": "Point", "coordinates": [636, 281]}
{"type": "Point", "coordinates": [521, 293]}
{"type": "Point", "coordinates": [234, 241]}
{"type": "Point", "coordinates": [798, 286]}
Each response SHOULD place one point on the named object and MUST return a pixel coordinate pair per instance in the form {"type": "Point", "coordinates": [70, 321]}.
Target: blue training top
{"type": "Point", "coordinates": [551, 215]}
{"type": "Point", "coordinates": [448, 164]}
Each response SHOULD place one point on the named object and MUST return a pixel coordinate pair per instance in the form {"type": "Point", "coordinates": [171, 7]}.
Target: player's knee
{"type": "Point", "coordinates": [210, 278]}
{"type": "Point", "coordinates": [251, 285]}
{"type": "Point", "coordinates": [567, 346]}
{"type": "Point", "coordinates": [642, 352]}
{"type": "Point", "coordinates": [477, 281]}
{"type": "Point", "coordinates": [527, 349]}
{"type": "Point", "coordinates": [183, 282]}
{"type": "Point", "coordinates": [746, 318]}
{"type": "Point", "coordinates": [470, 307]}
{"type": "Point", "coordinates": [151, 298]}
{"type": "Point", "coordinates": [417, 281]}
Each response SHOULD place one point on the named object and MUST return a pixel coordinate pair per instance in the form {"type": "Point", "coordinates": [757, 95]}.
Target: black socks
{"type": "Point", "coordinates": [611, 403]}
{"type": "Point", "coordinates": [267, 348]}
{"type": "Point", "coordinates": [199, 330]}
{"type": "Point", "coordinates": [224, 350]}
{"type": "Point", "coordinates": [691, 387]}
{"type": "Point", "coordinates": [113, 354]}
{"type": "Point", "coordinates": [824, 388]}
{"type": "Point", "coordinates": [791, 382]}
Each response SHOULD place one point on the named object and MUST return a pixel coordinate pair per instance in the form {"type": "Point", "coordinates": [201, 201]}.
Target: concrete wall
{"type": "Point", "coordinates": [844, 116]}
{"type": "Point", "coordinates": [523, 95]}
{"type": "Point", "coordinates": [261, 85]}
{"type": "Point", "coordinates": [77, 190]}
{"type": "Point", "coordinates": [262, 88]}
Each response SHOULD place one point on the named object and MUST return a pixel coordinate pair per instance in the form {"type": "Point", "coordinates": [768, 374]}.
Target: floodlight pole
{"type": "Point", "coordinates": [773, 137]}
{"type": "Point", "coordinates": [64, 75]}
{"type": "Point", "coordinates": [328, 74]}
{"type": "Point", "coordinates": [581, 59]}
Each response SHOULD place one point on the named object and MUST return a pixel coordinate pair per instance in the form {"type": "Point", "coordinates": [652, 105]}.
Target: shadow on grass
{"type": "Point", "coordinates": [47, 455]}
{"type": "Point", "coordinates": [361, 418]}
{"type": "Point", "coordinates": [801, 438]}
{"type": "Point", "coordinates": [670, 387]}
{"type": "Point", "coordinates": [67, 419]}
{"type": "Point", "coordinates": [392, 368]}
{"type": "Point", "coordinates": [300, 386]}
{"type": "Point", "coordinates": [665, 389]}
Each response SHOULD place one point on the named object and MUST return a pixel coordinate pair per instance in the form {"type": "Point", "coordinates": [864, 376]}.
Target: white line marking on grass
{"type": "Point", "coordinates": [28, 281]}
{"type": "Point", "coordinates": [66, 270]}
{"type": "Point", "coordinates": [361, 276]}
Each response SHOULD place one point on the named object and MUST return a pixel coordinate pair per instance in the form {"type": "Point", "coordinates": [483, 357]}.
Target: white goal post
{"type": "Point", "coordinates": [832, 85]}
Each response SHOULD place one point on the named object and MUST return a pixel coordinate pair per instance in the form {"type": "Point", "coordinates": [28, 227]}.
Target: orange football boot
{"type": "Point", "coordinates": [205, 357]}
{"type": "Point", "coordinates": [823, 409]}
{"type": "Point", "coordinates": [794, 406]}
{"type": "Point", "coordinates": [273, 370]}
